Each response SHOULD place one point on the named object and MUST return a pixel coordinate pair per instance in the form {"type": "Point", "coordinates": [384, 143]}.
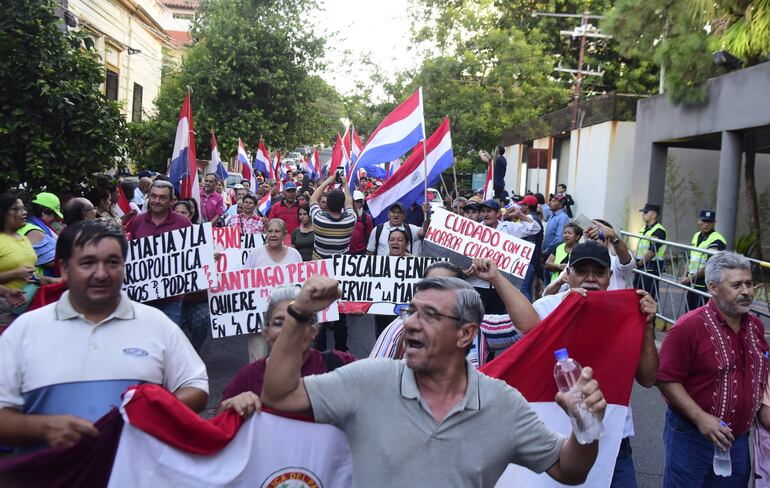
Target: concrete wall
{"type": "Point", "coordinates": [697, 170]}
{"type": "Point", "coordinates": [600, 173]}
{"type": "Point", "coordinates": [114, 28]}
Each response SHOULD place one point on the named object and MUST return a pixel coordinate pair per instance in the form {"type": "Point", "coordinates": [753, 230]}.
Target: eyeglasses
{"type": "Point", "coordinates": [399, 228]}
{"type": "Point", "coordinates": [427, 315]}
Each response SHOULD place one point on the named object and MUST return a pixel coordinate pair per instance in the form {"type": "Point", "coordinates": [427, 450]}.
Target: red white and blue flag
{"type": "Point", "coordinates": [408, 184]}
{"type": "Point", "coordinates": [392, 168]}
{"type": "Point", "coordinates": [310, 166]}
{"type": "Point", "coordinates": [604, 330]}
{"type": "Point", "coordinates": [262, 161]}
{"type": "Point", "coordinates": [339, 158]}
{"type": "Point", "coordinates": [246, 170]}
{"type": "Point", "coordinates": [216, 162]}
{"type": "Point", "coordinates": [397, 133]}
{"type": "Point", "coordinates": [183, 171]}
{"type": "Point", "coordinates": [265, 204]}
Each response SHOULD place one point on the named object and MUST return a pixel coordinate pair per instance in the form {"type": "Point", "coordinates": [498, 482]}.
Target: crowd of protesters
{"type": "Point", "coordinates": [69, 253]}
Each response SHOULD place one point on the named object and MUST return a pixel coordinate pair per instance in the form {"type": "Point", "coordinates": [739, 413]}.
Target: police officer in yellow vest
{"type": "Point", "coordinates": [650, 256]}
{"type": "Point", "coordinates": [705, 238]}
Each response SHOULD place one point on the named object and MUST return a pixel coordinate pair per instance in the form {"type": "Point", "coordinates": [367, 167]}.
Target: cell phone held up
{"type": "Point", "coordinates": [338, 176]}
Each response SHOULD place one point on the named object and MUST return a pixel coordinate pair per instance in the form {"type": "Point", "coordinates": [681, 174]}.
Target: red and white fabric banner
{"type": "Point", "coordinates": [164, 443]}
{"type": "Point", "coordinates": [604, 331]}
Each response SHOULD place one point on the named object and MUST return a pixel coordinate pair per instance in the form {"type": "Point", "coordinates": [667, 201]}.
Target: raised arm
{"type": "Point", "coordinates": [522, 314]}
{"type": "Point", "coordinates": [647, 369]}
{"type": "Point", "coordinates": [283, 388]}
{"type": "Point", "coordinates": [426, 221]}
{"type": "Point", "coordinates": [320, 190]}
{"type": "Point", "coordinates": [346, 191]}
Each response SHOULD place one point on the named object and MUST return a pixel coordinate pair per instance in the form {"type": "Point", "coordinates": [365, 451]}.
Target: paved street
{"type": "Point", "coordinates": [225, 356]}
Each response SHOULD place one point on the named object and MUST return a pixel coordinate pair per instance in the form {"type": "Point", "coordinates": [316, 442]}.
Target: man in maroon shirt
{"type": "Point", "coordinates": [212, 203]}
{"type": "Point", "coordinates": [157, 220]}
{"type": "Point", "coordinates": [713, 371]}
{"type": "Point", "coordinates": [288, 208]}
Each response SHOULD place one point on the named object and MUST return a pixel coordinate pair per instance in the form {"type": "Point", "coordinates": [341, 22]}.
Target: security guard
{"type": "Point", "coordinates": [650, 256]}
{"type": "Point", "coordinates": [705, 238]}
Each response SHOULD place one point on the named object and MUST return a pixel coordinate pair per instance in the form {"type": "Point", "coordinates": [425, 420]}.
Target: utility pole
{"type": "Point", "coordinates": [584, 31]}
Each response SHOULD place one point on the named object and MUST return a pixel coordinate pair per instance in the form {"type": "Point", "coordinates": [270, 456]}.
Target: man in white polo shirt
{"type": "Point", "coordinates": [65, 365]}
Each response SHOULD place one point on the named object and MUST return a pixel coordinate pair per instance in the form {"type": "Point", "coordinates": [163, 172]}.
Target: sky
{"type": "Point", "coordinates": [378, 27]}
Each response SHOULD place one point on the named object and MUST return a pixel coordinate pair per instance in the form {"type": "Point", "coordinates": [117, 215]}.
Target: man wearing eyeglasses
{"type": "Point", "coordinates": [431, 420]}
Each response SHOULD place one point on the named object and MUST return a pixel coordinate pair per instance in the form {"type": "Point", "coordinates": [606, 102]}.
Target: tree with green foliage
{"type": "Point", "coordinates": [57, 129]}
{"type": "Point", "coordinates": [480, 72]}
{"type": "Point", "coordinates": [250, 70]}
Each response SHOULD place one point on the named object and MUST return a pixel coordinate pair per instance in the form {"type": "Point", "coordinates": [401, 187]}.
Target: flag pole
{"type": "Point", "coordinates": [454, 173]}
{"type": "Point", "coordinates": [424, 152]}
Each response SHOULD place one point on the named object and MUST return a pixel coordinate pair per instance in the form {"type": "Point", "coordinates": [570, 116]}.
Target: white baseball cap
{"type": "Point", "coordinates": [357, 195]}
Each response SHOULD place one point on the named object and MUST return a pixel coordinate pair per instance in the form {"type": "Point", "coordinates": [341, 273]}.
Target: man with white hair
{"type": "Point", "coordinates": [432, 419]}
{"type": "Point", "coordinates": [713, 372]}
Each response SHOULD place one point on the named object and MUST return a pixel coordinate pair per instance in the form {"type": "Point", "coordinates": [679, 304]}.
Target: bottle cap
{"type": "Point", "coordinates": [561, 354]}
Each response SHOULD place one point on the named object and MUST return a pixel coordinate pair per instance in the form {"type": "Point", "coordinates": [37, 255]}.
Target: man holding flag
{"type": "Point", "coordinates": [473, 426]}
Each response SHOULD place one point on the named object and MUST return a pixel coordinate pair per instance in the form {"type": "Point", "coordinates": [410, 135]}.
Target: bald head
{"type": "Point", "coordinates": [76, 209]}
{"type": "Point", "coordinates": [144, 184]}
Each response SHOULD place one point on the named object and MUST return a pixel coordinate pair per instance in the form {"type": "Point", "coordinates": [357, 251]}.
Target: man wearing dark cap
{"type": "Point", "coordinates": [471, 211]}
{"type": "Point", "coordinates": [588, 271]}
{"type": "Point", "coordinates": [705, 238]}
{"type": "Point", "coordinates": [288, 208]}
{"type": "Point", "coordinates": [650, 256]}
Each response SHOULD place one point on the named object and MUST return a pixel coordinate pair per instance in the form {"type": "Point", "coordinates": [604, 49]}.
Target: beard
{"type": "Point", "coordinates": [733, 308]}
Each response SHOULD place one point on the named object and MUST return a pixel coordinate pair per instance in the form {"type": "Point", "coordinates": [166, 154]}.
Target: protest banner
{"type": "Point", "coordinates": [170, 264]}
{"type": "Point", "coordinates": [451, 235]}
{"type": "Point", "coordinates": [234, 247]}
{"type": "Point", "coordinates": [383, 283]}
{"type": "Point", "coordinates": [237, 303]}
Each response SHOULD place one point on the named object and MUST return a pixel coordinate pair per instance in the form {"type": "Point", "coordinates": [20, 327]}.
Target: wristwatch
{"type": "Point", "coordinates": [299, 317]}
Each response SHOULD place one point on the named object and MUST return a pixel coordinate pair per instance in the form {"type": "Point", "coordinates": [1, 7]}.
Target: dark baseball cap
{"type": "Point", "coordinates": [591, 251]}
{"type": "Point", "coordinates": [397, 205]}
{"type": "Point", "coordinates": [650, 207]}
{"type": "Point", "coordinates": [471, 205]}
{"type": "Point", "coordinates": [707, 215]}
{"type": "Point", "coordinates": [491, 203]}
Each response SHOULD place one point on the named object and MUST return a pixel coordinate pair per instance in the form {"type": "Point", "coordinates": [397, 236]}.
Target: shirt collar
{"type": "Point", "coordinates": [65, 311]}
{"type": "Point", "coordinates": [471, 400]}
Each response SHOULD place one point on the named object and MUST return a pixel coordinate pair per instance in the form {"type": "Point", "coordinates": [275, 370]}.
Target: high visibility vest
{"type": "Point", "coordinates": [698, 259]}
{"type": "Point", "coordinates": [559, 255]}
{"type": "Point", "coordinates": [644, 244]}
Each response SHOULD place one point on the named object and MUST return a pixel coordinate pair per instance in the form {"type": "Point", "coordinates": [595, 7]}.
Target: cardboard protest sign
{"type": "Point", "coordinates": [238, 301]}
{"type": "Point", "coordinates": [383, 282]}
{"type": "Point", "coordinates": [468, 239]}
{"type": "Point", "coordinates": [234, 247]}
{"type": "Point", "coordinates": [170, 264]}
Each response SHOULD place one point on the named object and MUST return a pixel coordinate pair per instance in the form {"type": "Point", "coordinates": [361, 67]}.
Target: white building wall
{"type": "Point", "coordinates": [513, 171]}
{"type": "Point", "coordinates": [115, 29]}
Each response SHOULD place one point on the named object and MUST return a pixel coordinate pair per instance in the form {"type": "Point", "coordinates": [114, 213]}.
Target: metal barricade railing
{"type": "Point", "coordinates": [675, 298]}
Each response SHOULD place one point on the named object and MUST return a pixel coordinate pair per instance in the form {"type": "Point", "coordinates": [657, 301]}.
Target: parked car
{"type": "Point", "coordinates": [434, 197]}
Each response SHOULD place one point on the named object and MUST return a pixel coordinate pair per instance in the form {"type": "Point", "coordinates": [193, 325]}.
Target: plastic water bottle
{"type": "Point", "coordinates": [585, 425]}
{"type": "Point", "coordinates": [723, 466]}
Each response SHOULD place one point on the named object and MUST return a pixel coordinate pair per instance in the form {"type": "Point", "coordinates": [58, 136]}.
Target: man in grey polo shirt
{"type": "Point", "coordinates": [431, 420]}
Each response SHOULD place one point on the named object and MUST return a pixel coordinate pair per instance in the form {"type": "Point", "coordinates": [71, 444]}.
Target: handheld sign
{"type": "Point", "coordinates": [170, 264]}
{"type": "Point", "coordinates": [383, 282]}
{"type": "Point", "coordinates": [469, 239]}
{"type": "Point", "coordinates": [238, 302]}
{"type": "Point", "coordinates": [234, 247]}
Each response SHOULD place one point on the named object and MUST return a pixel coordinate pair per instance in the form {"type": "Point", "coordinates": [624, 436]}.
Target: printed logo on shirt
{"type": "Point", "coordinates": [136, 351]}
{"type": "Point", "coordinates": [292, 477]}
